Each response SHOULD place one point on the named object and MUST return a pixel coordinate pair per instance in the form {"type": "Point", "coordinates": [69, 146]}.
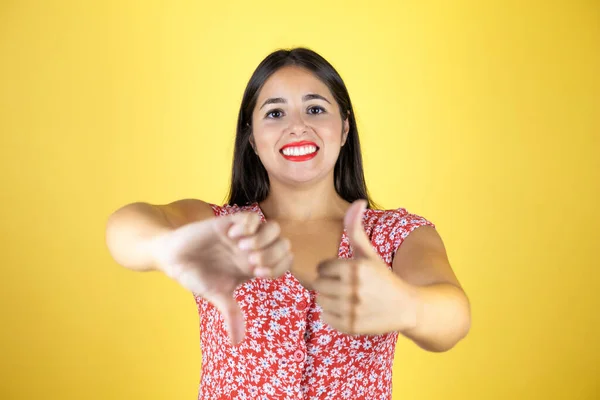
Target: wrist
{"type": "Point", "coordinates": [156, 248]}
{"type": "Point", "coordinates": [409, 304]}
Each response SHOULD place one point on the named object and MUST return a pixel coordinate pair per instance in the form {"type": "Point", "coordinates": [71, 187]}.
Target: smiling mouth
{"type": "Point", "coordinates": [299, 151]}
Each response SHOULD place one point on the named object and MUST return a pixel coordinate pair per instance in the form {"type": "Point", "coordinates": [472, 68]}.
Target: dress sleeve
{"type": "Point", "coordinates": [217, 210]}
{"type": "Point", "coordinates": [401, 225]}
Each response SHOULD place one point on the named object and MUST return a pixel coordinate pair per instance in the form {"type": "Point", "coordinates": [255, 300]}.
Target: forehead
{"type": "Point", "coordinates": [292, 81]}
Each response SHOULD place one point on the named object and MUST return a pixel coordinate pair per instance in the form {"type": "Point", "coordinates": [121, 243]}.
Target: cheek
{"type": "Point", "coordinates": [331, 134]}
{"type": "Point", "coordinates": [267, 127]}
{"type": "Point", "coordinates": [265, 138]}
{"type": "Point", "coordinates": [330, 125]}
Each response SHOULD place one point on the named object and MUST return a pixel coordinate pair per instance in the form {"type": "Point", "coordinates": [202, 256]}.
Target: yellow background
{"type": "Point", "coordinates": [481, 116]}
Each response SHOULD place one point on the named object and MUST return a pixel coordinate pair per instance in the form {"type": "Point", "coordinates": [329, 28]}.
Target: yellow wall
{"type": "Point", "coordinates": [481, 116]}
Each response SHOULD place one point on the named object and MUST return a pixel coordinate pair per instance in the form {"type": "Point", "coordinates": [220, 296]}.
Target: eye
{"type": "Point", "coordinates": [316, 110]}
{"type": "Point", "coordinates": [274, 114]}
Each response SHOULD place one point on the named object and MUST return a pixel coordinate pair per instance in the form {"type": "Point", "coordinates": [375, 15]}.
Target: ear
{"type": "Point", "coordinates": [345, 128]}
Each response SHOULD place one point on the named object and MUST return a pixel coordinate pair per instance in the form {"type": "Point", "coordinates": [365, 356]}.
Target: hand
{"type": "Point", "coordinates": [362, 296]}
{"type": "Point", "coordinates": [212, 257]}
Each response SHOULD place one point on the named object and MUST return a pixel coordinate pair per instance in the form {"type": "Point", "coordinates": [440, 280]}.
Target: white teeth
{"type": "Point", "coordinates": [299, 151]}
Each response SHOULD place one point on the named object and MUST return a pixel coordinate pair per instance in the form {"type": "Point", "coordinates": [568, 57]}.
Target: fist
{"type": "Point", "coordinates": [212, 257]}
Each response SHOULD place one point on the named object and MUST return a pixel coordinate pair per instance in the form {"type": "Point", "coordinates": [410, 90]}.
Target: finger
{"type": "Point", "coordinates": [271, 255]}
{"type": "Point", "coordinates": [333, 305]}
{"type": "Point", "coordinates": [361, 245]}
{"type": "Point", "coordinates": [244, 224]}
{"type": "Point", "coordinates": [330, 269]}
{"type": "Point", "coordinates": [341, 269]}
{"type": "Point", "coordinates": [336, 289]}
{"type": "Point", "coordinates": [344, 322]}
{"type": "Point", "coordinates": [277, 270]}
{"type": "Point", "coordinates": [266, 234]}
{"type": "Point", "coordinates": [329, 287]}
{"type": "Point", "coordinates": [226, 223]}
{"type": "Point", "coordinates": [284, 265]}
{"type": "Point", "coordinates": [232, 316]}
{"type": "Point", "coordinates": [339, 322]}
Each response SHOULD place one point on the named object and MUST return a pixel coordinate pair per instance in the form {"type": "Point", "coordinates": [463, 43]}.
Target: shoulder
{"type": "Point", "coordinates": [396, 218]}
{"type": "Point", "coordinates": [185, 211]}
{"type": "Point", "coordinates": [388, 228]}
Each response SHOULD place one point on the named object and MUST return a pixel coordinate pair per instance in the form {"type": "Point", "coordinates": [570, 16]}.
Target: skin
{"type": "Point", "coordinates": [294, 185]}
{"type": "Point", "coordinates": [420, 298]}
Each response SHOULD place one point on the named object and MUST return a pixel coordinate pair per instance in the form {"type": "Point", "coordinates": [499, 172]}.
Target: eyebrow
{"type": "Point", "coordinates": [281, 100]}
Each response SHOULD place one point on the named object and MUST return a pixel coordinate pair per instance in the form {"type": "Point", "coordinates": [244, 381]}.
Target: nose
{"type": "Point", "coordinates": [297, 125]}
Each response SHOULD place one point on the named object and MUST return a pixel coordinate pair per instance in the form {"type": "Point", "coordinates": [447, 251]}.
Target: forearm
{"type": "Point", "coordinates": [441, 316]}
{"type": "Point", "coordinates": [130, 231]}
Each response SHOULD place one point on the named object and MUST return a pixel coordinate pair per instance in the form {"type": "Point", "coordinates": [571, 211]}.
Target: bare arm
{"type": "Point", "coordinates": [131, 230]}
{"type": "Point", "coordinates": [442, 307]}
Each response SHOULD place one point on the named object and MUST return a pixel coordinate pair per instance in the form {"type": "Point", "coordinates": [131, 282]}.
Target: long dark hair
{"type": "Point", "coordinates": [249, 179]}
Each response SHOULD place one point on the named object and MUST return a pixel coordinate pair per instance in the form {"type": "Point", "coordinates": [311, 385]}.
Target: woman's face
{"type": "Point", "coordinates": [297, 129]}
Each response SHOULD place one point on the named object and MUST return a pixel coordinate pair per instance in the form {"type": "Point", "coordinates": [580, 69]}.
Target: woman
{"type": "Point", "coordinates": [310, 282]}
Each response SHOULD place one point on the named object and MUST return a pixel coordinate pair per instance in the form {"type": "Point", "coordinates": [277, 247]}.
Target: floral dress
{"type": "Point", "coordinates": [288, 352]}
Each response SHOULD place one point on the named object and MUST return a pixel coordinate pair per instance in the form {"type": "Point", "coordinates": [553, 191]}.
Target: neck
{"type": "Point", "coordinates": [318, 201]}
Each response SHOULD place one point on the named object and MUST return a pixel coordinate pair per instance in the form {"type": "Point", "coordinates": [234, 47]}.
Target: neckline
{"type": "Point", "coordinates": [344, 236]}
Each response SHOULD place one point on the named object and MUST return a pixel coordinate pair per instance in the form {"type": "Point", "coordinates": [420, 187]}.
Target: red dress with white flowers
{"type": "Point", "coordinates": [288, 352]}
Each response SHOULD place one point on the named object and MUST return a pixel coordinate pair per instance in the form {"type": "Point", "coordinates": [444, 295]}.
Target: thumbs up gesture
{"type": "Point", "coordinates": [362, 296]}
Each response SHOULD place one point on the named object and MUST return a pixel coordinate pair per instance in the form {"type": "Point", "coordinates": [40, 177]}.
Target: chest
{"type": "Point", "coordinates": [312, 243]}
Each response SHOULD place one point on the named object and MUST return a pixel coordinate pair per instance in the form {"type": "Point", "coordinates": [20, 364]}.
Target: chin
{"type": "Point", "coordinates": [296, 177]}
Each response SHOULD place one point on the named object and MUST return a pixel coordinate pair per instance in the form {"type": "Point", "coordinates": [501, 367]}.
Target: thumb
{"type": "Point", "coordinates": [361, 245]}
{"type": "Point", "coordinates": [232, 316]}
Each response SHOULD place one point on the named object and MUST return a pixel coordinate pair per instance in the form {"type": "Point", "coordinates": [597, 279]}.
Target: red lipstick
{"type": "Point", "coordinates": [304, 157]}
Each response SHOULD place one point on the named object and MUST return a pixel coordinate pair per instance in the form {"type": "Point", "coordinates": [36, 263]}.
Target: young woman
{"type": "Point", "coordinates": [302, 285]}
